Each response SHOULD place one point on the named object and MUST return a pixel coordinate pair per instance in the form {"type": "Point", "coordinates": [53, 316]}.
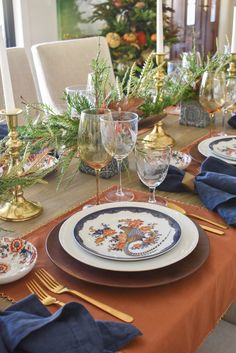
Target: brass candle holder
{"type": "Point", "coordinates": [17, 208]}
{"type": "Point", "coordinates": [232, 66]}
{"type": "Point", "coordinates": [158, 136]}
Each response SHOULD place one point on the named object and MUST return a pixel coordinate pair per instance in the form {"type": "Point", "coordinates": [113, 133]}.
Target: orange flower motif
{"type": "Point", "coordinates": [108, 232]}
{"type": "Point", "coordinates": [149, 240]}
{"type": "Point", "coordinates": [99, 240]}
{"type": "Point", "coordinates": [120, 245]}
{"type": "Point", "coordinates": [146, 228]}
{"type": "Point", "coordinates": [137, 246]}
{"type": "Point", "coordinates": [122, 237]}
{"type": "Point", "coordinates": [135, 223]}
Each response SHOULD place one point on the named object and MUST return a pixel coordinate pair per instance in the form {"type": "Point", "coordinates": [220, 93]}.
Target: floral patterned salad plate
{"type": "Point", "coordinates": [180, 160]}
{"type": "Point", "coordinates": [205, 150]}
{"type": "Point", "coordinates": [127, 233]}
{"type": "Point", "coordinates": [224, 147]}
{"type": "Point", "coordinates": [17, 258]}
{"type": "Point", "coordinates": [187, 242]}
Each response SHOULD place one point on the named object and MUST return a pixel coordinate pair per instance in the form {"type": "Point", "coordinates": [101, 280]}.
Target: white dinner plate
{"type": "Point", "coordinates": [224, 147]}
{"type": "Point", "coordinates": [203, 148]}
{"type": "Point", "coordinates": [127, 233]}
{"type": "Point", "coordinates": [187, 243]}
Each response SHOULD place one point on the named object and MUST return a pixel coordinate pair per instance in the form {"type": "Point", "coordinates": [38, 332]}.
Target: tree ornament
{"type": "Point", "coordinates": [141, 38]}
{"type": "Point", "coordinates": [117, 3]}
{"type": "Point", "coordinates": [153, 37]}
{"type": "Point", "coordinates": [140, 5]}
{"type": "Point", "coordinates": [130, 37]}
{"type": "Point", "coordinates": [113, 40]}
{"type": "Point", "coordinates": [122, 17]}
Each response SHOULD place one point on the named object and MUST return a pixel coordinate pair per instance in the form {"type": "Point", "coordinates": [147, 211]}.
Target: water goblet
{"type": "Point", "coordinates": [119, 137]}
{"type": "Point", "coordinates": [91, 149]}
{"type": "Point", "coordinates": [152, 164]}
{"type": "Point", "coordinates": [75, 95]}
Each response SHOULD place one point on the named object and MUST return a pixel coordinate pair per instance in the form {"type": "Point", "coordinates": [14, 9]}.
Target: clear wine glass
{"type": "Point", "coordinates": [230, 99]}
{"type": "Point", "coordinates": [78, 92]}
{"type": "Point", "coordinates": [207, 95]}
{"type": "Point", "coordinates": [91, 149]}
{"type": "Point", "coordinates": [152, 164]}
{"type": "Point", "coordinates": [119, 137]}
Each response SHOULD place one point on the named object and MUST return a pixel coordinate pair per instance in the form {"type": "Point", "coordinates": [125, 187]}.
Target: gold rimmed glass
{"type": "Point", "coordinates": [212, 93]}
{"type": "Point", "coordinates": [91, 149]}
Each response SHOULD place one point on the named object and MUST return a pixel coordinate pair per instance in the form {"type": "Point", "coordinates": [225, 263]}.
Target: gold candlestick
{"type": "Point", "coordinates": [18, 208]}
{"type": "Point", "coordinates": [158, 136]}
{"type": "Point", "coordinates": [232, 66]}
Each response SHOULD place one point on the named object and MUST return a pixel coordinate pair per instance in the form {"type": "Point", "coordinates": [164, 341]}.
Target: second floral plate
{"type": "Point", "coordinates": [127, 233]}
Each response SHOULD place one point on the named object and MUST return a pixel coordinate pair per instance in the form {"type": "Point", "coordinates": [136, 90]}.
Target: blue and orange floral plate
{"type": "Point", "coordinates": [17, 258]}
{"type": "Point", "coordinates": [127, 233]}
{"type": "Point", "coordinates": [114, 236]}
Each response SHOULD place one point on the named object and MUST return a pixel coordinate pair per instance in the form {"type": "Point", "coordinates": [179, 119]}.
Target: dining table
{"type": "Point", "coordinates": [174, 307]}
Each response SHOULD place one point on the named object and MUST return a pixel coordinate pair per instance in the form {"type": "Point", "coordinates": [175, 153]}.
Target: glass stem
{"type": "Point", "coordinates": [152, 195]}
{"type": "Point", "coordinates": [119, 190]}
{"type": "Point", "coordinates": [212, 116]}
{"type": "Point", "coordinates": [97, 171]}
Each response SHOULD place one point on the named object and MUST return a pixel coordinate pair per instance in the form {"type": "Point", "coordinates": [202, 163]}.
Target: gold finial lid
{"type": "Point", "coordinates": [159, 137]}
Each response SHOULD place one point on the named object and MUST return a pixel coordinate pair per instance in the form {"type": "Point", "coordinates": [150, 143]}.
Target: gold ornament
{"type": "Point", "coordinates": [129, 37]}
{"type": "Point", "coordinates": [140, 4]}
{"type": "Point", "coordinates": [113, 40]}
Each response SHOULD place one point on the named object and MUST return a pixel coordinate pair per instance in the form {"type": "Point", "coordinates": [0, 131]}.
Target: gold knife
{"type": "Point", "coordinates": [212, 230]}
{"type": "Point", "coordinates": [207, 220]}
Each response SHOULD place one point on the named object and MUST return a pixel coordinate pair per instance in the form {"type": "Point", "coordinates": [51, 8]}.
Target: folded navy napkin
{"type": "Point", "coordinates": [215, 185]}
{"type": "Point", "coordinates": [232, 121]}
{"type": "Point", "coordinates": [3, 131]}
{"type": "Point", "coordinates": [28, 327]}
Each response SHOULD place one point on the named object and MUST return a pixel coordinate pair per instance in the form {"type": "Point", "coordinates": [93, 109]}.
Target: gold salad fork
{"type": "Point", "coordinates": [43, 296]}
{"type": "Point", "coordinates": [54, 286]}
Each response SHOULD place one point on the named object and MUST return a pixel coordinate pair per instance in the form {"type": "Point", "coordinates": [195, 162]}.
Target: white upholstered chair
{"type": "Point", "coordinates": [22, 79]}
{"type": "Point", "coordinates": [65, 63]}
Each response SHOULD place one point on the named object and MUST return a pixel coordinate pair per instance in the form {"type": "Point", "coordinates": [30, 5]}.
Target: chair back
{"type": "Point", "coordinates": [21, 76]}
{"type": "Point", "coordinates": [65, 63]}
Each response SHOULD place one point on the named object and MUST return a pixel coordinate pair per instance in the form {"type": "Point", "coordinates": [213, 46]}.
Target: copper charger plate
{"type": "Point", "coordinates": [143, 279]}
{"type": "Point", "coordinates": [195, 154]}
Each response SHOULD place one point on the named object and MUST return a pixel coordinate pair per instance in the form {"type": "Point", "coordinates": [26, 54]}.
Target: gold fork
{"type": "Point", "coordinates": [54, 286]}
{"type": "Point", "coordinates": [44, 297]}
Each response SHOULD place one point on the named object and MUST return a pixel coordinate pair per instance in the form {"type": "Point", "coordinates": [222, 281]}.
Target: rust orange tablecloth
{"type": "Point", "coordinates": [174, 318]}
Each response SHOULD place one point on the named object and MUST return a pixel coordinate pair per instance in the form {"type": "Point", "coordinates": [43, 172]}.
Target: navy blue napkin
{"type": "Point", "coordinates": [232, 121]}
{"type": "Point", "coordinates": [3, 131]}
{"type": "Point", "coordinates": [215, 185]}
{"type": "Point", "coordinates": [28, 326]}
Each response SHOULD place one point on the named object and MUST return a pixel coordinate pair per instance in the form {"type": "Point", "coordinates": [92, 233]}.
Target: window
{"type": "Point", "coordinates": [191, 8]}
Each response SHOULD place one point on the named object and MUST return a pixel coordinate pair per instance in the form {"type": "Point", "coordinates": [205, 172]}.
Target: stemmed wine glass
{"type": "Point", "coordinates": [212, 93]}
{"type": "Point", "coordinates": [91, 149]}
{"type": "Point", "coordinates": [152, 164]}
{"type": "Point", "coordinates": [119, 137]}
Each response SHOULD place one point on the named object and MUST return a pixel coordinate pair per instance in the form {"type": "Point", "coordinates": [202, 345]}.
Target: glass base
{"type": "Point", "coordinates": [158, 201]}
{"type": "Point", "coordinates": [114, 196]}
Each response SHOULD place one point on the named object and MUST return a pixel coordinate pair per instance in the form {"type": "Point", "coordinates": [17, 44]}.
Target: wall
{"type": "Point", "coordinates": [225, 22]}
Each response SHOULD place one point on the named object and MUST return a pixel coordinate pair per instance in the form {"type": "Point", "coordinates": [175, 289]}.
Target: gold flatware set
{"type": "Point", "coordinates": [175, 207]}
{"type": "Point", "coordinates": [54, 286]}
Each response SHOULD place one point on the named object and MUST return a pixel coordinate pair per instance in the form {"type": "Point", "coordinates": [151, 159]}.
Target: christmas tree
{"type": "Point", "coordinates": [130, 29]}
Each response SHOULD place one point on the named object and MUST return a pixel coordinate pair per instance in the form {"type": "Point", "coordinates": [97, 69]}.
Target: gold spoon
{"type": "Point", "coordinates": [175, 207]}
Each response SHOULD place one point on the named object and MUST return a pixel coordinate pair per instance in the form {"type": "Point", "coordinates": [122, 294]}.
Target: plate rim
{"type": "Point", "coordinates": [219, 154]}
{"type": "Point", "coordinates": [72, 248]}
{"type": "Point", "coordinates": [177, 228]}
{"type": "Point", "coordinates": [204, 145]}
